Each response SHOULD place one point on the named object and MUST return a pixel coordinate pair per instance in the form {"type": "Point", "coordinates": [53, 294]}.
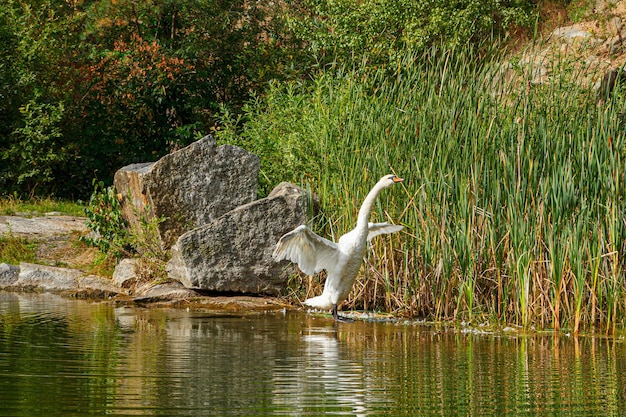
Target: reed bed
{"type": "Point", "coordinates": [514, 203]}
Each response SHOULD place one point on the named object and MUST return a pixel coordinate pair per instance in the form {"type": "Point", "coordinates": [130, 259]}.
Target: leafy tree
{"type": "Point", "coordinates": [9, 102]}
{"type": "Point", "coordinates": [89, 86]}
{"type": "Point", "coordinates": [351, 30]}
{"type": "Point", "coordinates": [37, 151]}
{"type": "Point", "coordinates": [32, 144]}
{"type": "Point", "coordinates": [136, 79]}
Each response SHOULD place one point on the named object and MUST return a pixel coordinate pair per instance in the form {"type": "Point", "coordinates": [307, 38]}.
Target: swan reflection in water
{"type": "Point", "coordinates": [324, 380]}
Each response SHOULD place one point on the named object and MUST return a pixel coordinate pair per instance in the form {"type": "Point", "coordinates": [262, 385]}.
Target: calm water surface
{"type": "Point", "coordinates": [63, 357]}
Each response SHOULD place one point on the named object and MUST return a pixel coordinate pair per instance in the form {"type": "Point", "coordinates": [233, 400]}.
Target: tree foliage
{"type": "Point", "coordinates": [38, 150]}
{"type": "Point", "coordinates": [374, 29]}
{"type": "Point", "coordinates": [107, 83]}
{"type": "Point", "coordinates": [89, 86]}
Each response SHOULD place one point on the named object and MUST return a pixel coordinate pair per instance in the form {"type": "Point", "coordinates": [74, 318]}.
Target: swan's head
{"type": "Point", "coordinates": [389, 180]}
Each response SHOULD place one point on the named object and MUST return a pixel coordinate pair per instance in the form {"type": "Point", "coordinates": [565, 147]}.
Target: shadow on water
{"type": "Point", "coordinates": [67, 357]}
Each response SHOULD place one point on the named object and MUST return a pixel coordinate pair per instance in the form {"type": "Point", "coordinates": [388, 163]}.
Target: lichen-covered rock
{"type": "Point", "coordinates": [42, 226]}
{"type": "Point", "coordinates": [188, 188]}
{"type": "Point", "coordinates": [234, 252]}
{"type": "Point", "coordinates": [168, 291]}
{"type": "Point", "coordinates": [9, 274]}
{"type": "Point", "coordinates": [92, 286]}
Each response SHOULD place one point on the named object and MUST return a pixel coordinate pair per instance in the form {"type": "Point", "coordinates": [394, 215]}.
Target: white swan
{"type": "Point", "coordinates": [341, 260]}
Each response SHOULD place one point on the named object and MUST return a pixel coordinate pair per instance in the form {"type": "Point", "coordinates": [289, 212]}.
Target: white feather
{"type": "Point", "coordinates": [310, 251]}
{"type": "Point", "coordinates": [341, 260]}
{"type": "Point", "coordinates": [321, 301]}
{"type": "Point", "coordinates": [376, 229]}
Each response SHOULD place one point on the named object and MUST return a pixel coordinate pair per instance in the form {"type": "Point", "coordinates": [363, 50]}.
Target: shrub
{"type": "Point", "coordinates": [104, 218]}
{"type": "Point", "coordinates": [114, 237]}
{"type": "Point", "coordinates": [349, 31]}
{"type": "Point", "coordinates": [36, 150]}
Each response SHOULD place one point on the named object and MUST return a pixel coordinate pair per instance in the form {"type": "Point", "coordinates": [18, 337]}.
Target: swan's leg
{"type": "Point", "coordinates": [339, 318]}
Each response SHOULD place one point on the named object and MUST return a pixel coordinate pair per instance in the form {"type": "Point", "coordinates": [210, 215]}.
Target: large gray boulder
{"type": "Point", "coordinates": [188, 188]}
{"type": "Point", "coordinates": [234, 252]}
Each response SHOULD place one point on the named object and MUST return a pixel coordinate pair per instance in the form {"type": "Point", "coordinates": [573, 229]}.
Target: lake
{"type": "Point", "coordinates": [61, 357]}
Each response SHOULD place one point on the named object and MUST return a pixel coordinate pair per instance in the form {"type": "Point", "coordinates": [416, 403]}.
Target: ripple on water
{"type": "Point", "coordinates": [64, 357]}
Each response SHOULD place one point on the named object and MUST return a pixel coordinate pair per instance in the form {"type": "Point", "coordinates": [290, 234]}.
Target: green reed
{"type": "Point", "coordinates": [514, 203]}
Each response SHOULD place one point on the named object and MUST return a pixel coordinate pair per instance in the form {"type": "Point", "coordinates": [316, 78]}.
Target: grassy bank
{"type": "Point", "coordinates": [61, 250]}
{"type": "Point", "coordinates": [16, 249]}
{"type": "Point", "coordinates": [10, 206]}
{"type": "Point", "coordinates": [514, 203]}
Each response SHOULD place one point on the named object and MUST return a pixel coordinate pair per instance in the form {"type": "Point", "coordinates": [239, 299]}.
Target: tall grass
{"type": "Point", "coordinates": [514, 204]}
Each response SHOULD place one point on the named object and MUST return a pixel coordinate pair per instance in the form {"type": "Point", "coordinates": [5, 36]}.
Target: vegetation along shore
{"type": "Point", "coordinates": [514, 199]}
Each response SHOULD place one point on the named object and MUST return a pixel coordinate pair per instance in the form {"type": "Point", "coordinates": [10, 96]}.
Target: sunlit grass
{"type": "Point", "coordinates": [71, 254]}
{"type": "Point", "coordinates": [514, 205]}
{"type": "Point", "coordinates": [10, 206]}
{"type": "Point", "coordinates": [14, 249]}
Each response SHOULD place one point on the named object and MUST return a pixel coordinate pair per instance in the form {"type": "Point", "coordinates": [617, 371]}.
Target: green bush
{"type": "Point", "coordinates": [36, 152]}
{"type": "Point", "coordinates": [117, 239]}
{"type": "Point", "coordinates": [104, 218]}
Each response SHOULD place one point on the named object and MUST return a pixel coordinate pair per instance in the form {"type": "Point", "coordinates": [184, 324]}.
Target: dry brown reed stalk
{"type": "Point", "coordinates": [513, 203]}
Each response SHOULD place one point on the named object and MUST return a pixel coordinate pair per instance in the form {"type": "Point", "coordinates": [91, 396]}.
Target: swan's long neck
{"type": "Point", "coordinates": [366, 207]}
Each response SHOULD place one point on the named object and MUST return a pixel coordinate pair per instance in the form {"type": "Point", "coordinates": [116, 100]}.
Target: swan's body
{"type": "Point", "coordinates": [341, 260]}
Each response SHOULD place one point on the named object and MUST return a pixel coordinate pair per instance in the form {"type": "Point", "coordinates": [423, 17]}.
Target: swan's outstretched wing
{"type": "Point", "coordinates": [311, 252]}
{"type": "Point", "coordinates": [376, 229]}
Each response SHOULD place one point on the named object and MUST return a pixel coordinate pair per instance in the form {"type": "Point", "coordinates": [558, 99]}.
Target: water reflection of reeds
{"type": "Point", "coordinates": [59, 357]}
{"type": "Point", "coordinates": [437, 373]}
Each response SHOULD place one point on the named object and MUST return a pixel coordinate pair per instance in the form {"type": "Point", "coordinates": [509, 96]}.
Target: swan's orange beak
{"type": "Point", "coordinates": [398, 179]}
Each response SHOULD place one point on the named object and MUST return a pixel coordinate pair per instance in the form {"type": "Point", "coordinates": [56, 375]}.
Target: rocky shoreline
{"type": "Point", "coordinates": [54, 229]}
{"type": "Point", "coordinates": [203, 200]}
